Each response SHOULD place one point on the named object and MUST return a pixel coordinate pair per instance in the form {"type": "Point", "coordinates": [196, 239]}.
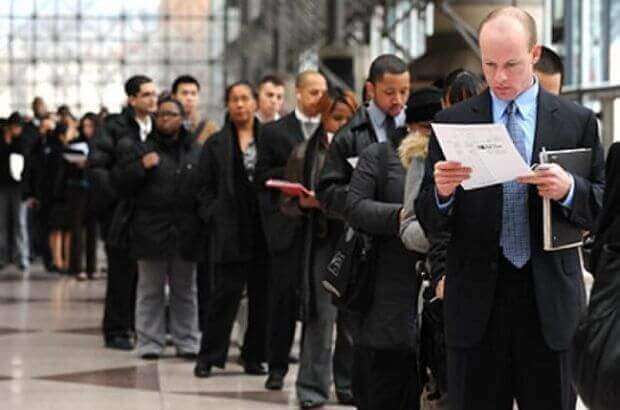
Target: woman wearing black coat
{"type": "Point", "coordinates": [73, 187]}
{"type": "Point", "coordinates": [385, 359]}
{"type": "Point", "coordinates": [319, 363]}
{"type": "Point", "coordinates": [165, 230]}
{"type": "Point", "coordinates": [229, 207]}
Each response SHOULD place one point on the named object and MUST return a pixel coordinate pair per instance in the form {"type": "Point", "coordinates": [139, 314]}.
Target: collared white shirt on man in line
{"type": "Point", "coordinates": [266, 121]}
{"type": "Point", "coordinates": [308, 125]}
{"type": "Point", "coordinates": [146, 127]}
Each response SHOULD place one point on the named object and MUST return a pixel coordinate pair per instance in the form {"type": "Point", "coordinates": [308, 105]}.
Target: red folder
{"type": "Point", "coordinates": [288, 188]}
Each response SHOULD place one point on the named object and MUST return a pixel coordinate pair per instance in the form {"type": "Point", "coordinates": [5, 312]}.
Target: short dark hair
{"type": "Point", "coordinates": [15, 119]}
{"type": "Point", "coordinates": [550, 62]}
{"type": "Point", "coordinates": [236, 84]}
{"type": "Point", "coordinates": [184, 79]}
{"type": "Point", "coordinates": [386, 64]}
{"type": "Point", "coordinates": [271, 78]}
{"type": "Point", "coordinates": [169, 99]}
{"type": "Point", "coordinates": [132, 86]}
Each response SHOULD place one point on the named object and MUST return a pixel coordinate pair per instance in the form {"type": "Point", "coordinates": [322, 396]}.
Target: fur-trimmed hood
{"type": "Point", "coordinates": [414, 145]}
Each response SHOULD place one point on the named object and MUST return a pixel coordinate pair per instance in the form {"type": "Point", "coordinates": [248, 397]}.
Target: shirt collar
{"type": "Point", "coordinates": [526, 101]}
{"type": "Point", "coordinates": [146, 124]}
{"type": "Point", "coordinates": [263, 120]}
{"type": "Point", "coordinates": [378, 117]}
{"type": "Point", "coordinates": [303, 118]}
{"type": "Point", "coordinates": [376, 114]}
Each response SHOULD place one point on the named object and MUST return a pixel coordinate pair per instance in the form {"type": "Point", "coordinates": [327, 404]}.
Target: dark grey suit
{"type": "Point", "coordinates": [482, 290]}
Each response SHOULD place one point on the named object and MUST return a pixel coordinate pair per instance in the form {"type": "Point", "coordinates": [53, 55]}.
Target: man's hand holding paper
{"type": "Point", "coordinates": [448, 176]}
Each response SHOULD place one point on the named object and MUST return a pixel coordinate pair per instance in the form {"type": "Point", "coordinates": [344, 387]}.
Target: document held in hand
{"type": "Point", "coordinates": [288, 188]}
{"type": "Point", "coordinates": [485, 148]}
{"type": "Point", "coordinates": [558, 232]}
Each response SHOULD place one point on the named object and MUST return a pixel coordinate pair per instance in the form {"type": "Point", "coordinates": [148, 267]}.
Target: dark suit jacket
{"type": "Point", "coordinates": [475, 223]}
{"type": "Point", "coordinates": [274, 149]}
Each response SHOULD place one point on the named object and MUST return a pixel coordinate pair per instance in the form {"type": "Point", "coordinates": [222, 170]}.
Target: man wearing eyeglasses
{"type": "Point", "coordinates": [135, 122]}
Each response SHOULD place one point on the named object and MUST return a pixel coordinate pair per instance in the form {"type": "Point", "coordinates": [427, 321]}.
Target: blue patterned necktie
{"type": "Point", "coordinates": [515, 237]}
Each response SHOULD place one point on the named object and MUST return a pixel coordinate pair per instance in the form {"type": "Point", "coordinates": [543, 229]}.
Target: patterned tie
{"type": "Point", "coordinates": [515, 237]}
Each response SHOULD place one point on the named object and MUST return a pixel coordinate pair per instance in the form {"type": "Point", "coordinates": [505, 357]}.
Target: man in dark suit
{"type": "Point", "coordinates": [511, 308]}
{"type": "Point", "coordinates": [283, 235]}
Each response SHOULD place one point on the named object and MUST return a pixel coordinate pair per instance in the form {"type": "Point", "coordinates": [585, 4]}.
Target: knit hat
{"type": "Point", "coordinates": [423, 104]}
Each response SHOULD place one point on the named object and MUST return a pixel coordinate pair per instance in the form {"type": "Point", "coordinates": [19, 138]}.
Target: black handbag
{"type": "Point", "coordinates": [350, 274]}
{"type": "Point", "coordinates": [596, 346]}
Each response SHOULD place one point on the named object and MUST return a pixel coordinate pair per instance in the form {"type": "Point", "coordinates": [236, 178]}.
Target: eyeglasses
{"type": "Point", "coordinates": [167, 114]}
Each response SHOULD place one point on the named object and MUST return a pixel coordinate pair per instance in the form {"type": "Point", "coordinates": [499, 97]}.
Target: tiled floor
{"type": "Point", "coordinates": [52, 358]}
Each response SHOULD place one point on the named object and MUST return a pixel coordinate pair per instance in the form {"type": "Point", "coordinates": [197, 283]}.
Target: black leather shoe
{"type": "Point", "coordinates": [150, 356]}
{"type": "Point", "coordinates": [202, 370]}
{"type": "Point", "coordinates": [345, 399]}
{"type": "Point", "coordinates": [119, 343]}
{"type": "Point", "coordinates": [275, 381]}
{"type": "Point", "coordinates": [255, 369]}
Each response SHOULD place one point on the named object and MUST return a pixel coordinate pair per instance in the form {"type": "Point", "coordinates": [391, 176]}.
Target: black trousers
{"type": "Point", "coordinates": [203, 286]}
{"type": "Point", "coordinates": [385, 379]}
{"type": "Point", "coordinates": [120, 296]}
{"type": "Point", "coordinates": [229, 281]}
{"type": "Point", "coordinates": [83, 232]}
{"type": "Point", "coordinates": [284, 277]}
{"type": "Point", "coordinates": [513, 360]}
{"type": "Point", "coordinates": [91, 227]}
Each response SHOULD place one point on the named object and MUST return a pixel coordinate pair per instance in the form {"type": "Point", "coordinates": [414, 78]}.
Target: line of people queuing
{"type": "Point", "coordinates": [46, 207]}
{"type": "Point", "coordinates": [190, 227]}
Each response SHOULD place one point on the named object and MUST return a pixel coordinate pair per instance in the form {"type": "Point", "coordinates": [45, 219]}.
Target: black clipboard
{"type": "Point", "coordinates": [558, 232]}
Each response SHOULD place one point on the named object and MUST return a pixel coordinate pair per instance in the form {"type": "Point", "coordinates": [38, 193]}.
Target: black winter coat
{"type": "Point", "coordinates": [348, 143]}
{"type": "Point", "coordinates": [102, 157]}
{"type": "Point", "coordinates": [390, 322]}
{"type": "Point", "coordinates": [41, 170]}
{"type": "Point", "coordinates": [165, 221]}
{"type": "Point", "coordinates": [228, 201]}
{"type": "Point", "coordinates": [14, 147]}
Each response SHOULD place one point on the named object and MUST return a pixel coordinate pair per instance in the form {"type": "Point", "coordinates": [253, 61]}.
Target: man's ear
{"type": "Point", "coordinates": [370, 89]}
{"type": "Point", "coordinates": [536, 53]}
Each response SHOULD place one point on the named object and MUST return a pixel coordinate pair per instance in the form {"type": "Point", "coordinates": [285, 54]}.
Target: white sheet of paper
{"type": "Point", "coordinates": [80, 146]}
{"type": "Point", "coordinates": [16, 166]}
{"type": "Point", "coordinates": [486, 148]}
{"type": "Point", "coordinates": [73, 157]}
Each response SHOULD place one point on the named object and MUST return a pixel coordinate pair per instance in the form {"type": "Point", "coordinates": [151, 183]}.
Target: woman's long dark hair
{"type": "Point", "coordinates": [88, 116]}
{"type": "Point", "coordinates": [461, 85]}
